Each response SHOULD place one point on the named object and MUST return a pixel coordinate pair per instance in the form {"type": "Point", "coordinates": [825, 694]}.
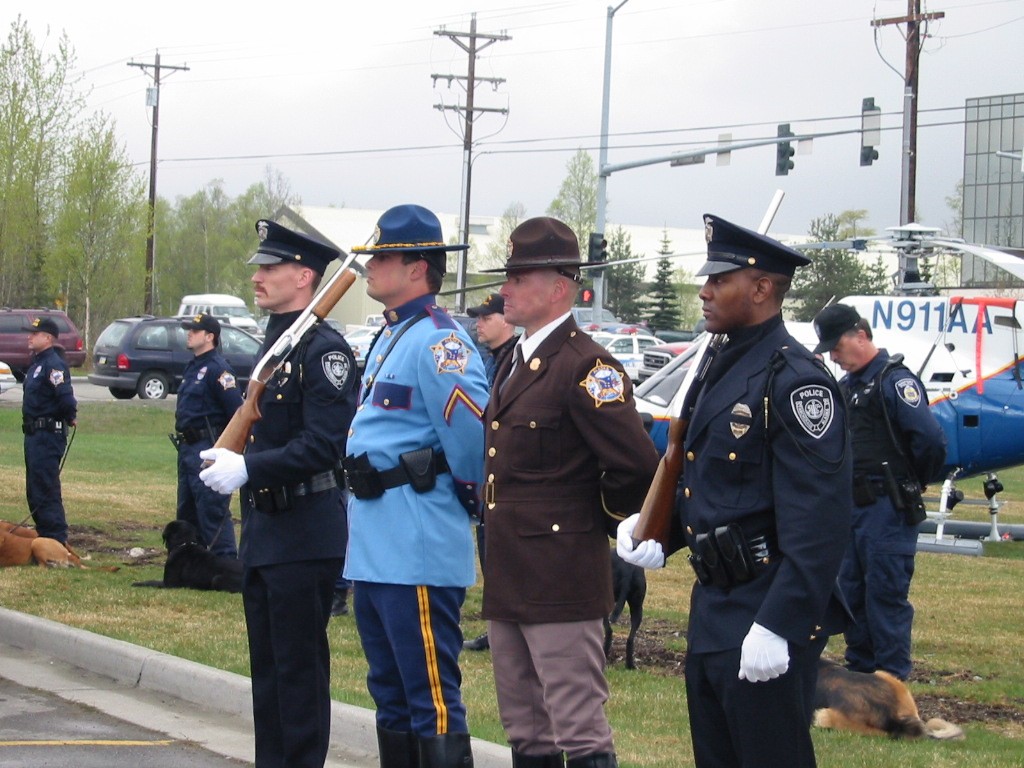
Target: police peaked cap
{"type": "Point", "coordinates": [44, 325]}
{"type": "Point", "coordinates": [279, 244]}
{"type": "Point", "coordinates": [410, 229]}
{"type": "Point", "coordinates": [541, 242]}
{"type": "Point", "coordinates": [831, 323]}
{"type": "Point", "coordinates": [203, 322]}
{"type": "Point", "coordinates": [731, 247]}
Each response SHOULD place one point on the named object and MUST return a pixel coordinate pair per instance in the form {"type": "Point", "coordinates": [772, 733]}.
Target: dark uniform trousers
{"type": "Point", "coordinates": [43, 452]}
{"type": "Point", "coordinates": [215, 528]}
{"type": "Point", "coordinates": [287, 607]}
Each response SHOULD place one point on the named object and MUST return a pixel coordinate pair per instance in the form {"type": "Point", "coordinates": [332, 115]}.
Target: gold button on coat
{"type": "Point", "coordinates": [494, 424]}
{"type": "Point", "coordinates": [555, 528]}
{"type": "Point", "coordinates": [689, 455]}
{"type": "Point", "coordinates": [492, 451]}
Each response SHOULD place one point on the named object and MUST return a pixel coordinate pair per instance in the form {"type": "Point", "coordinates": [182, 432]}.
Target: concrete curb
{"type": "Point", "coordinates": [353, 729]}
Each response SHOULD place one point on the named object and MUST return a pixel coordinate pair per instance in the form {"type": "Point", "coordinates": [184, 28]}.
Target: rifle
{"type": "Point", "coordinates": [659, 505]}
{"type": "Point", "coordinates": [236, 433]}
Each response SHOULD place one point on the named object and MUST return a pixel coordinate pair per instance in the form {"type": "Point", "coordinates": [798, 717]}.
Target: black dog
{"type": "Point", "coordinates": [629, 585]}
{"type": "Point", "coordinates": [190, 565]}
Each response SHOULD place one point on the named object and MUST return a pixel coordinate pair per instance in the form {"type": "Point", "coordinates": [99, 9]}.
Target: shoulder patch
{"type": "Point", "coordinates": [441, 317]}
{"type": "Point", "coordinates": [226, 380]}
{"type": "Point", "coordinates": [814, 408]}
{"type": "Point", "coordinates": [604, 384]}
{"type": "Point", "coordinates": [451, 354]}
{"type": "Point", "coordinates": [56, 377]}
{"type": "Point", "coordinates": [909, 392]}
{"type": "Point", "coordinates": [202, 374]}
{"type": "Point", "coordinates": [336, 368]}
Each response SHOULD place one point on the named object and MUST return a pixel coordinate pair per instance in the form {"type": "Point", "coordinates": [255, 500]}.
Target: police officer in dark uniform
{"type": "Point", "coordinates": [764, 511]}
{"type": "Point", "coordinates": [207, 399]}
{"type": "Point", "coordinates": [294, 529]}
{"type": "Point", "coordinates": [898, 446]}
{"type": "Point", "coordinates": [48, 408]}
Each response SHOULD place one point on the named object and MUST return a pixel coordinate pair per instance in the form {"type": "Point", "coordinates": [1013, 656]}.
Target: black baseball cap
{"type": "Point", "coordinates": [203, 322]}
{"type": "Point", "coordinates": [44, 325]}
{"type": "Point", "coordinates": [831, 323]}
{"type": "Point", "coordinates": [494, 304]}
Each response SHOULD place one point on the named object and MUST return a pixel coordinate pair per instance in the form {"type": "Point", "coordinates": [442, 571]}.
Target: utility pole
{"type": "Point", "coordinates": [913, 20]}
{"type": "Point", "coordinates": [152, 100]}
{"type": "Point", "coordinates": [470, 111]}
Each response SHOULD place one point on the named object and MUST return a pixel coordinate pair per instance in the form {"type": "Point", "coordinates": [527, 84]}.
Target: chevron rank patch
{"type": "Point", "coordinates": [336, 368]}
{"type": "Point", "coordinates": [909, 392]}
{"type": "Point", "coordinates": [451, 354]}
{"type": "Point", "coordinates": [814, 408]}
{"type": "Point", "coordinates": [604, 385]}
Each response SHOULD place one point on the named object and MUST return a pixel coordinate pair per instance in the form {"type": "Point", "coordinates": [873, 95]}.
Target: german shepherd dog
{"type": "Point", "coordinates": [629, 585]}
{"type": "Point", "coordinates": [190, 565]}
{"type": "Point", "coordinates": [876, 704]}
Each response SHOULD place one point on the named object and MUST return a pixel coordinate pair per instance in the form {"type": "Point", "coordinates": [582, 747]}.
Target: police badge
{"type": "Point", "coordinates": [336, 368]}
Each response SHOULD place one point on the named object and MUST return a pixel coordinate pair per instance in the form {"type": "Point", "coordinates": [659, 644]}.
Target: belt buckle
{"type": "Point", "coordinates": [489, 494]}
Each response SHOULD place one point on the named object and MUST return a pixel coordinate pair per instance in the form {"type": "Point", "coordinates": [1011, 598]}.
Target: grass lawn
{"type": "Point", "coordinates": [119, 490]}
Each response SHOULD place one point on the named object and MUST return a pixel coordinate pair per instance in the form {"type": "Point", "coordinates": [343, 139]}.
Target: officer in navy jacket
{"type": "Point", "coordinates": [293, 522]}
{"type": "Point", "coordinates": [764, 511]}
{"type": "Point", "coordinates": [48, 408]}
{"type": "Point", "coordinates": [207, 399]}
{"type": "Point", "coordinates": [890, 422]}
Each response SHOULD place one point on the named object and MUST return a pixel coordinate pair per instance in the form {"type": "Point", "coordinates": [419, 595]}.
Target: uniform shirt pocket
{"type": "Point", "coordinates": [535, 443]}
{"type": "Point", "coordinates": [391, 397]}
{"type": "Point", "coordinates": [736, 469]}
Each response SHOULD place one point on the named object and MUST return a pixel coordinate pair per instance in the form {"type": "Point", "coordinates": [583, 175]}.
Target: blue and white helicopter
{"type": "Point", "coordinates": [965, 349]}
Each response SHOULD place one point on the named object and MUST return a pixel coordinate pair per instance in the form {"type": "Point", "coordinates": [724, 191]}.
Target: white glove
{"type": "Point", "coordinates": [646, 554]}
{"type": "Point", "coordinates": [764, 655]}
{"type": "Point", "coordinates": [227, 473]}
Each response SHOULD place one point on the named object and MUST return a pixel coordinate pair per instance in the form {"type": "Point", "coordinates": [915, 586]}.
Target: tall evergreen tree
{"type": "Point", "coordinates": [624, 283]}
{"type": "Point", "coordinates": [663, 305]}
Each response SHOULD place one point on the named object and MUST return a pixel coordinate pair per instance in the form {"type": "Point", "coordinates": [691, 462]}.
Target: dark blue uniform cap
{"type": "Point", "coordinates": [279, 244]}
{"type": "Point", "coordinates": [44, 325]}
{"type": "Point", "coordinates": [731, 247]}
{"type": "Point", "coordinates": [831, 323]}
{"type": "Point", "coordinates": [203, 322]}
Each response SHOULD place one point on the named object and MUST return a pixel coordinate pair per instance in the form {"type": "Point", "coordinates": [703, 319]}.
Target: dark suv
{"type": "Point", "coordinates": [14, 350]}
{"type": "Point", "coordinates": [146, 355]}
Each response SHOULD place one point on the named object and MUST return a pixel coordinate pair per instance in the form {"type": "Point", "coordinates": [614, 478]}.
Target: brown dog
{"type": "Point", "coordinates": [23, 546]}
{"type": "Point", "coordinates": [875, 704]}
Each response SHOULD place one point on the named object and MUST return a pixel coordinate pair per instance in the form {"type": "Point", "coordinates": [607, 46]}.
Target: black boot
{"type": "Point", "coordinates": [339, 605]}
{"type": "Point", "coordinates": [477, 644]}
{"type": "Point", "coordinates": [449, 750]}
{"type": "Point", "coordinates": [397, 749]}
{"type": "Point", "coordinates": [555, 760]}
{"type": "Point", "coordinates": [600, 760]}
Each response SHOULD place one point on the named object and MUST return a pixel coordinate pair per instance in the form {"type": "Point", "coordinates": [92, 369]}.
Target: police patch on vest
{"type": "Point", "coordinates": [813, 408]}
{"type": "Point", "coordinates": [740, 412]}
{"type": "Point", "coordinates": [451, 354]}
{"type": "Point", "coordinates": [604, 384]}
{"type": "Point", "coordinates": [336, 368]}
{"type": "Point", "coordinates": [909, 392]}
{"type": "Point", "coordinates": [226, 380]}
{"type": "Point", "coordinates": [56, 377]}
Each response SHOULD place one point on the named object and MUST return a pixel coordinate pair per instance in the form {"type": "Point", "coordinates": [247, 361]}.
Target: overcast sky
{"type": "Point", "coordinates": [338, 97]}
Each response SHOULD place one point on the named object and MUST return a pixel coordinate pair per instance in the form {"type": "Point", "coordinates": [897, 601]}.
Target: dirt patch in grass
{"type": "Point", "coordinates": [122, 544]}
{"type": "Point", "coordinates": [658, 651]}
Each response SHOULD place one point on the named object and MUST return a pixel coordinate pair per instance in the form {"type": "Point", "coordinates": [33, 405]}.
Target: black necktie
{"type": "Point", "coordinates": [517, 362]}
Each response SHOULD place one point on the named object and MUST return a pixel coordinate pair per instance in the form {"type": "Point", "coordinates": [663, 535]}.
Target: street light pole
{"type": "Point", "coordinates": [602, 158]}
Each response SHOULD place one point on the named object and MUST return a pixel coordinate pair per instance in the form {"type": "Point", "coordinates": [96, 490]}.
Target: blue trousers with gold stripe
{"type": "Point", "coordinates": [411, 638]}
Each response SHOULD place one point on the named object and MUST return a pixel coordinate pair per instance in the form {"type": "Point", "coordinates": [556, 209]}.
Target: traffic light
{"type": "Point", "coordinates": [783, 152]}
{"type": "Point", "coordinates": [598, 248]}
{"type": "Point", "coordinates": [870, 131]}
{"type": "Point", "coordinates": [587, 297]}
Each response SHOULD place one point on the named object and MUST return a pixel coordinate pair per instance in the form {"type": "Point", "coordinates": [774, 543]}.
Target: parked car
{"type": "Point", "coordinates": [656, 357]}
{"type": "Point", "coordinates": [7, 379]}
{"type": "Point", "coordinates": [360, 341]}
{"type": "Point", "coordinates": [14, 350]}
{"type": "Point", "coordinates": [627, 348]}
{"type": "Point", "coordinates": [227, 309]}
{"type": "Point", "coordinates": [146, 355]}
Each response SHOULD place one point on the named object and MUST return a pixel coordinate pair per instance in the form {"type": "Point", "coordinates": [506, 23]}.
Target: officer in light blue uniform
{"type": "Point", "coordinates": [48, 408]}
{"type": "Point", "coordinates": [207, 399]}
{"type": "Point", "coordinates": [898, 447]}
{"type": "Point", "coordinates": [414, 467]}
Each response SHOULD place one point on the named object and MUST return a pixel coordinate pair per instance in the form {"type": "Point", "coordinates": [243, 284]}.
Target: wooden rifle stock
{"type": "Point", "coordinates": [656, 513]}
{"type": "Point", "coordinates": [236, 433]}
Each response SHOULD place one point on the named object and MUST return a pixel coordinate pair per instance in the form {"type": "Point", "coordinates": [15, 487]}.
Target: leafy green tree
{"type": "Point", "coordinates": [848, 221]}
{"type": "Point", "coordinates": [99, 230]}
{"type": "Point", "coordinates": [832, 273]}
{"type": "Point", "coordinates": [663, 303]}
{"type": "Point", "coordinates": [624, 283]}
{"type": "Point", "coordinates": [576, 203]}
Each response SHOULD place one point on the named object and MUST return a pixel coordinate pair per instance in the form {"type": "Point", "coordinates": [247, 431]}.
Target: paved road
{"type": "Point", "coordinates": [88, 393]}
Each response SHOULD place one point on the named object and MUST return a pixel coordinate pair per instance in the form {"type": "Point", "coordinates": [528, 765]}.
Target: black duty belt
{"type": "Point", "coordinates": [866, 490]}
{"type": "Point", "coordinates": [726, 557]}
{"type": "Point", "coordinates": [273, 500]}
{"type": "Point", "coordinates": [418, 468]}
{"type": "Point", "coordinates": [193, 435]}
{"type": "Point", "coordinates": [42, 424]}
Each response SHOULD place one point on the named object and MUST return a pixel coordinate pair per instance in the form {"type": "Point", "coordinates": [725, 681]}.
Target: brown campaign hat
{"type": "Point", "coordinates": [541, 242]}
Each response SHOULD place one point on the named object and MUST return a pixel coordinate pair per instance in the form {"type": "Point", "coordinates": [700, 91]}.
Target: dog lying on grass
{"type": "Point", "coordinates": [876, 704]}
{"type": "Point", "coordinates": [190, 565]}
{"type": "Point", "coordinates": [629, 585]}
{"type": "Point", "coordinates": [23, 546]}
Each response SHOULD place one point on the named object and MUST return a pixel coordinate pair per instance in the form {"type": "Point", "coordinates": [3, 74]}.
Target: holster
{"type": "Point", "coordinates": [361, 478]}
{"type": "Point", "coordinates": [723, 558]}
{"type": "Point", "coordinates": [863, 491]}
{"type": "Point", "coordinates": [175, 439]}
{"type": "Point", "coordinates": [421, 467]}
{"type": "Point", "coordinates": [272, 500]}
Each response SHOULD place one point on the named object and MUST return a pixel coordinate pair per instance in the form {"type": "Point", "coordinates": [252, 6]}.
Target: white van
{"type": "Point", "coordinates": [221, 306]}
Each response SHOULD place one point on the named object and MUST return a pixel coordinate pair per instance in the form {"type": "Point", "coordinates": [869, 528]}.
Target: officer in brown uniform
{"type": "Point", "coordinates": [566, 458]}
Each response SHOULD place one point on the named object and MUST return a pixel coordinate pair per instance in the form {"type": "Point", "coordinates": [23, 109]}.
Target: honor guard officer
{"type": "Point", "coordinates": [48, 408]}
{"type": "Point", "coordinates": [414, 468]}
{"type": "Point", "coordinates": [567, 459]}
{"type": "Point", "coordinates": [207, 399]}
{"type": "Point", "coordinates": [765, 511]}
{"type": "Point", "coordinates": [293, 519]}
{"type": "Point", "coordinates": [898, 446]}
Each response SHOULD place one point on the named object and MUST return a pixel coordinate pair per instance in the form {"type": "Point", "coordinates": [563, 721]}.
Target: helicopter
{"type": "Point", "coordinates": [966, 351]}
